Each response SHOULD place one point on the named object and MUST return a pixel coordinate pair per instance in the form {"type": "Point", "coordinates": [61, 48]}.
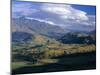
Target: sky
{"type": "Point", "coordinates": [64, 15]}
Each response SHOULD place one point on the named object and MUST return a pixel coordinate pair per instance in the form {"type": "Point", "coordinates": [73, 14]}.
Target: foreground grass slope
{"type": "Point", "coordinates": [53, 56]}
{"type": "Point", "coordinates": [62, 63]}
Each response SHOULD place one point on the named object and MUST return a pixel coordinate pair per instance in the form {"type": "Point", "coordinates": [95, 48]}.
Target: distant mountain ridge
{"type": "Point", "coordinates": [25, 24]}
{"type": "Point", "coordinates": [24, 29]}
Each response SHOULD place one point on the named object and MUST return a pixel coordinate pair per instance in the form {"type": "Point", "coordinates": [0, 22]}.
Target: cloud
{"type": "Point", "coordinates": [66, 15]}
{"type": "Point", "coordinates": [55, 14]}
{"type": "Point", "coordinates": [65, 11]}
{"type": "Point", "coordinates": [41, 20]}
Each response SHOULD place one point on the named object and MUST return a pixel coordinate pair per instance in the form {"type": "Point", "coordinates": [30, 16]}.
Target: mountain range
{"type": "Point", "coordinates": [24, 29]}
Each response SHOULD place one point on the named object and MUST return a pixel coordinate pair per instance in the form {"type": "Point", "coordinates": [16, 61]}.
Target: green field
{"type": "Point", "coordinates": [53, 57]}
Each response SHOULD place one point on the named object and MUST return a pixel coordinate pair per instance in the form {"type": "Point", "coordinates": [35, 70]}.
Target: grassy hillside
{"type": "Point", "coordinates": [45, 53]}
{"type": "Point", "coordinates": [32, 53]}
